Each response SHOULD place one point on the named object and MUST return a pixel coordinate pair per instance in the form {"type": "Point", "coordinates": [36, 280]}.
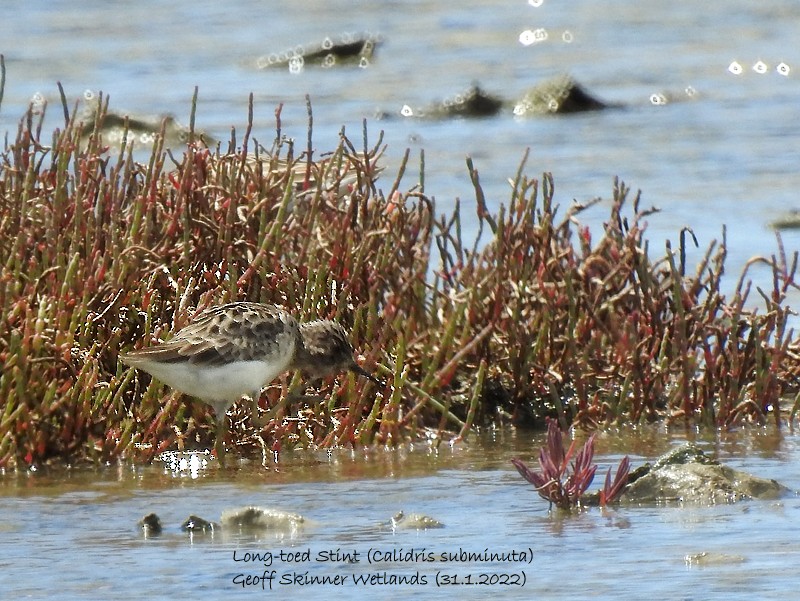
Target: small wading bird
{"type": "Point", "coordinates": [236, 349]}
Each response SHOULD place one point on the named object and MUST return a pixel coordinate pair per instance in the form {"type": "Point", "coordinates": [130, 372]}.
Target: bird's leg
{"type": "Point", "coordinates": [293, 394]}
{"type": "Point", "coordinates": [255, 412]}
{"type": "Point", "coordinates": [219, 443]}
{"type": "Point", "coordinates": [264, 451]}
{"type": "Point", "coordinates": [271, 412]}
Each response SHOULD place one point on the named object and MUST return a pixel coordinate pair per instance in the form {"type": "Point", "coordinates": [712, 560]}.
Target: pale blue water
{"type": "Point", "coordinates": [74, 535]}
{"type": "Point", "coordinates": [727, 156]}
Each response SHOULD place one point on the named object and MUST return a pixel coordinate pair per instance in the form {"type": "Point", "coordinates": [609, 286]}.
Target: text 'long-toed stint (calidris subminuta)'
{"type": "Point", "coordinates": [236, 349]}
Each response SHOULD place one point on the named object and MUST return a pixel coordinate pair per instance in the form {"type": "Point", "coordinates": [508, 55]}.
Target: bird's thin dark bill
{"type": "Point", "coordinates": [357, 369]}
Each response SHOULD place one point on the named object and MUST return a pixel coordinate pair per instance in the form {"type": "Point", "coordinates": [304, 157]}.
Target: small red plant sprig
{"type": "Point", "coordinates": [554, 462]}
{"type": "Point", "coordinates": [612, 490]}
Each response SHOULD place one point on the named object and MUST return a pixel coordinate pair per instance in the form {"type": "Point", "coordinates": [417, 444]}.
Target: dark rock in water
{"type": "Point", "coordinates": [116, 128]}
{"type": "Point", "coordinates": [788, 221]}
{"type": "Point", "coordinates": [249, 519]}
{"type": "Point", "coordinates": [197, 524]}
{"type": "Point", "coordinates": [472, 103]}
{"type": "Point", "coordinates": [559, 95]}
{"type": "Point", "coordinates": [150, 525]}
{"type": "Point", "coordinates": [242, 520]}
{"type": "Point", "coordinates": [687, 475]}
{"type": "Point", "coordinates": [349, 50]}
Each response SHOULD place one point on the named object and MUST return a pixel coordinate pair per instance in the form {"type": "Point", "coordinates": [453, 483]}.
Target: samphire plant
{"type": "Point", "coordinates": [535, 315]}
{"type": "Point", "coordinates": [564, 483]}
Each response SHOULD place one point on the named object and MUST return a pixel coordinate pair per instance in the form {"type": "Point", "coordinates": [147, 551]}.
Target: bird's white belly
{"type": "Point", "coordinates": [217, 383]}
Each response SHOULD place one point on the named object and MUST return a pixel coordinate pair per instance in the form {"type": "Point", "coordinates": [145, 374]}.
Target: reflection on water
{"type": "Point", "coordinates": [74, 532]}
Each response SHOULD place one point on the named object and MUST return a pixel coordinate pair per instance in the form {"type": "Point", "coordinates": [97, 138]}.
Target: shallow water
{"type": "Point", "coordinates": [73, 534]}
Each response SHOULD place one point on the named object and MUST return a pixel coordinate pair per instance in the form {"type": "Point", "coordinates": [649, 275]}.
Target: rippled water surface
{"type": "Point", "coordinates": [725, 156]}
{"type": "Point", "coordinates": [74, 534]}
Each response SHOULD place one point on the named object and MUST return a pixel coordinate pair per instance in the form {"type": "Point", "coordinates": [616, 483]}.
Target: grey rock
{"type": "Point", "coordinates": [687, 475]}
{"type": "Point", "coordinates": [559, 95]}
{"type": "Point", "coordinates": [197, 524]}
{"type": "Point", "coordinates": [414, 521]}
{"type": "Point", "coordinates": [150, 525]}
{"type": "Point", "coordinates": [250, 519]}
{"type": "Point", "coordinates": [349, 49]}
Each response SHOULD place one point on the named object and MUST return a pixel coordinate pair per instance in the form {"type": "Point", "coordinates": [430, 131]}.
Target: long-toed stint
{"type": "Point", "coordinates": [236, 349]}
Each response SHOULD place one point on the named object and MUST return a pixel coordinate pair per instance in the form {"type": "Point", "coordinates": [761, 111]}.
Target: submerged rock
{"type": "Point", "coordinates": [712, 559]}
{"type": "Point", "coordinates": [687, 475]}
{"type": "Point", "coordinates": [473, 102]}
{"type": "Point", "coordinates": [787, 221]}
{"type": "Point", "coordinates": [150, 525]}
{"type": "Point", "coordinates": [414, 521]}
{"type": "Point", "coordinates": [249, 519]}
{"type": "Point", "coordinates": [115, 128]}
{"type": "Point", "coordinates": [199, 525]}
{"type": "Point", "coordinates": [559, 95]}
{"type": "Point", "coordinates": [241, 520]}
{"type": "Point", "coordinates": [348, 50]}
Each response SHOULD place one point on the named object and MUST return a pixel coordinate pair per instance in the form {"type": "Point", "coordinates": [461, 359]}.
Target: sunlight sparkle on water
{"type": "Point", "coordinates": [183, 464]}
{"type": "Point", "coordinates": [658, 99]}
{"type": "Point", "coordinates": [296, 65]}
{"type": "Point", "coordinates": [38, 102]}
{"type": "Point", "coordinates": [537, 36]}
{"type": "Point", "coordinates": [735, 68]}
